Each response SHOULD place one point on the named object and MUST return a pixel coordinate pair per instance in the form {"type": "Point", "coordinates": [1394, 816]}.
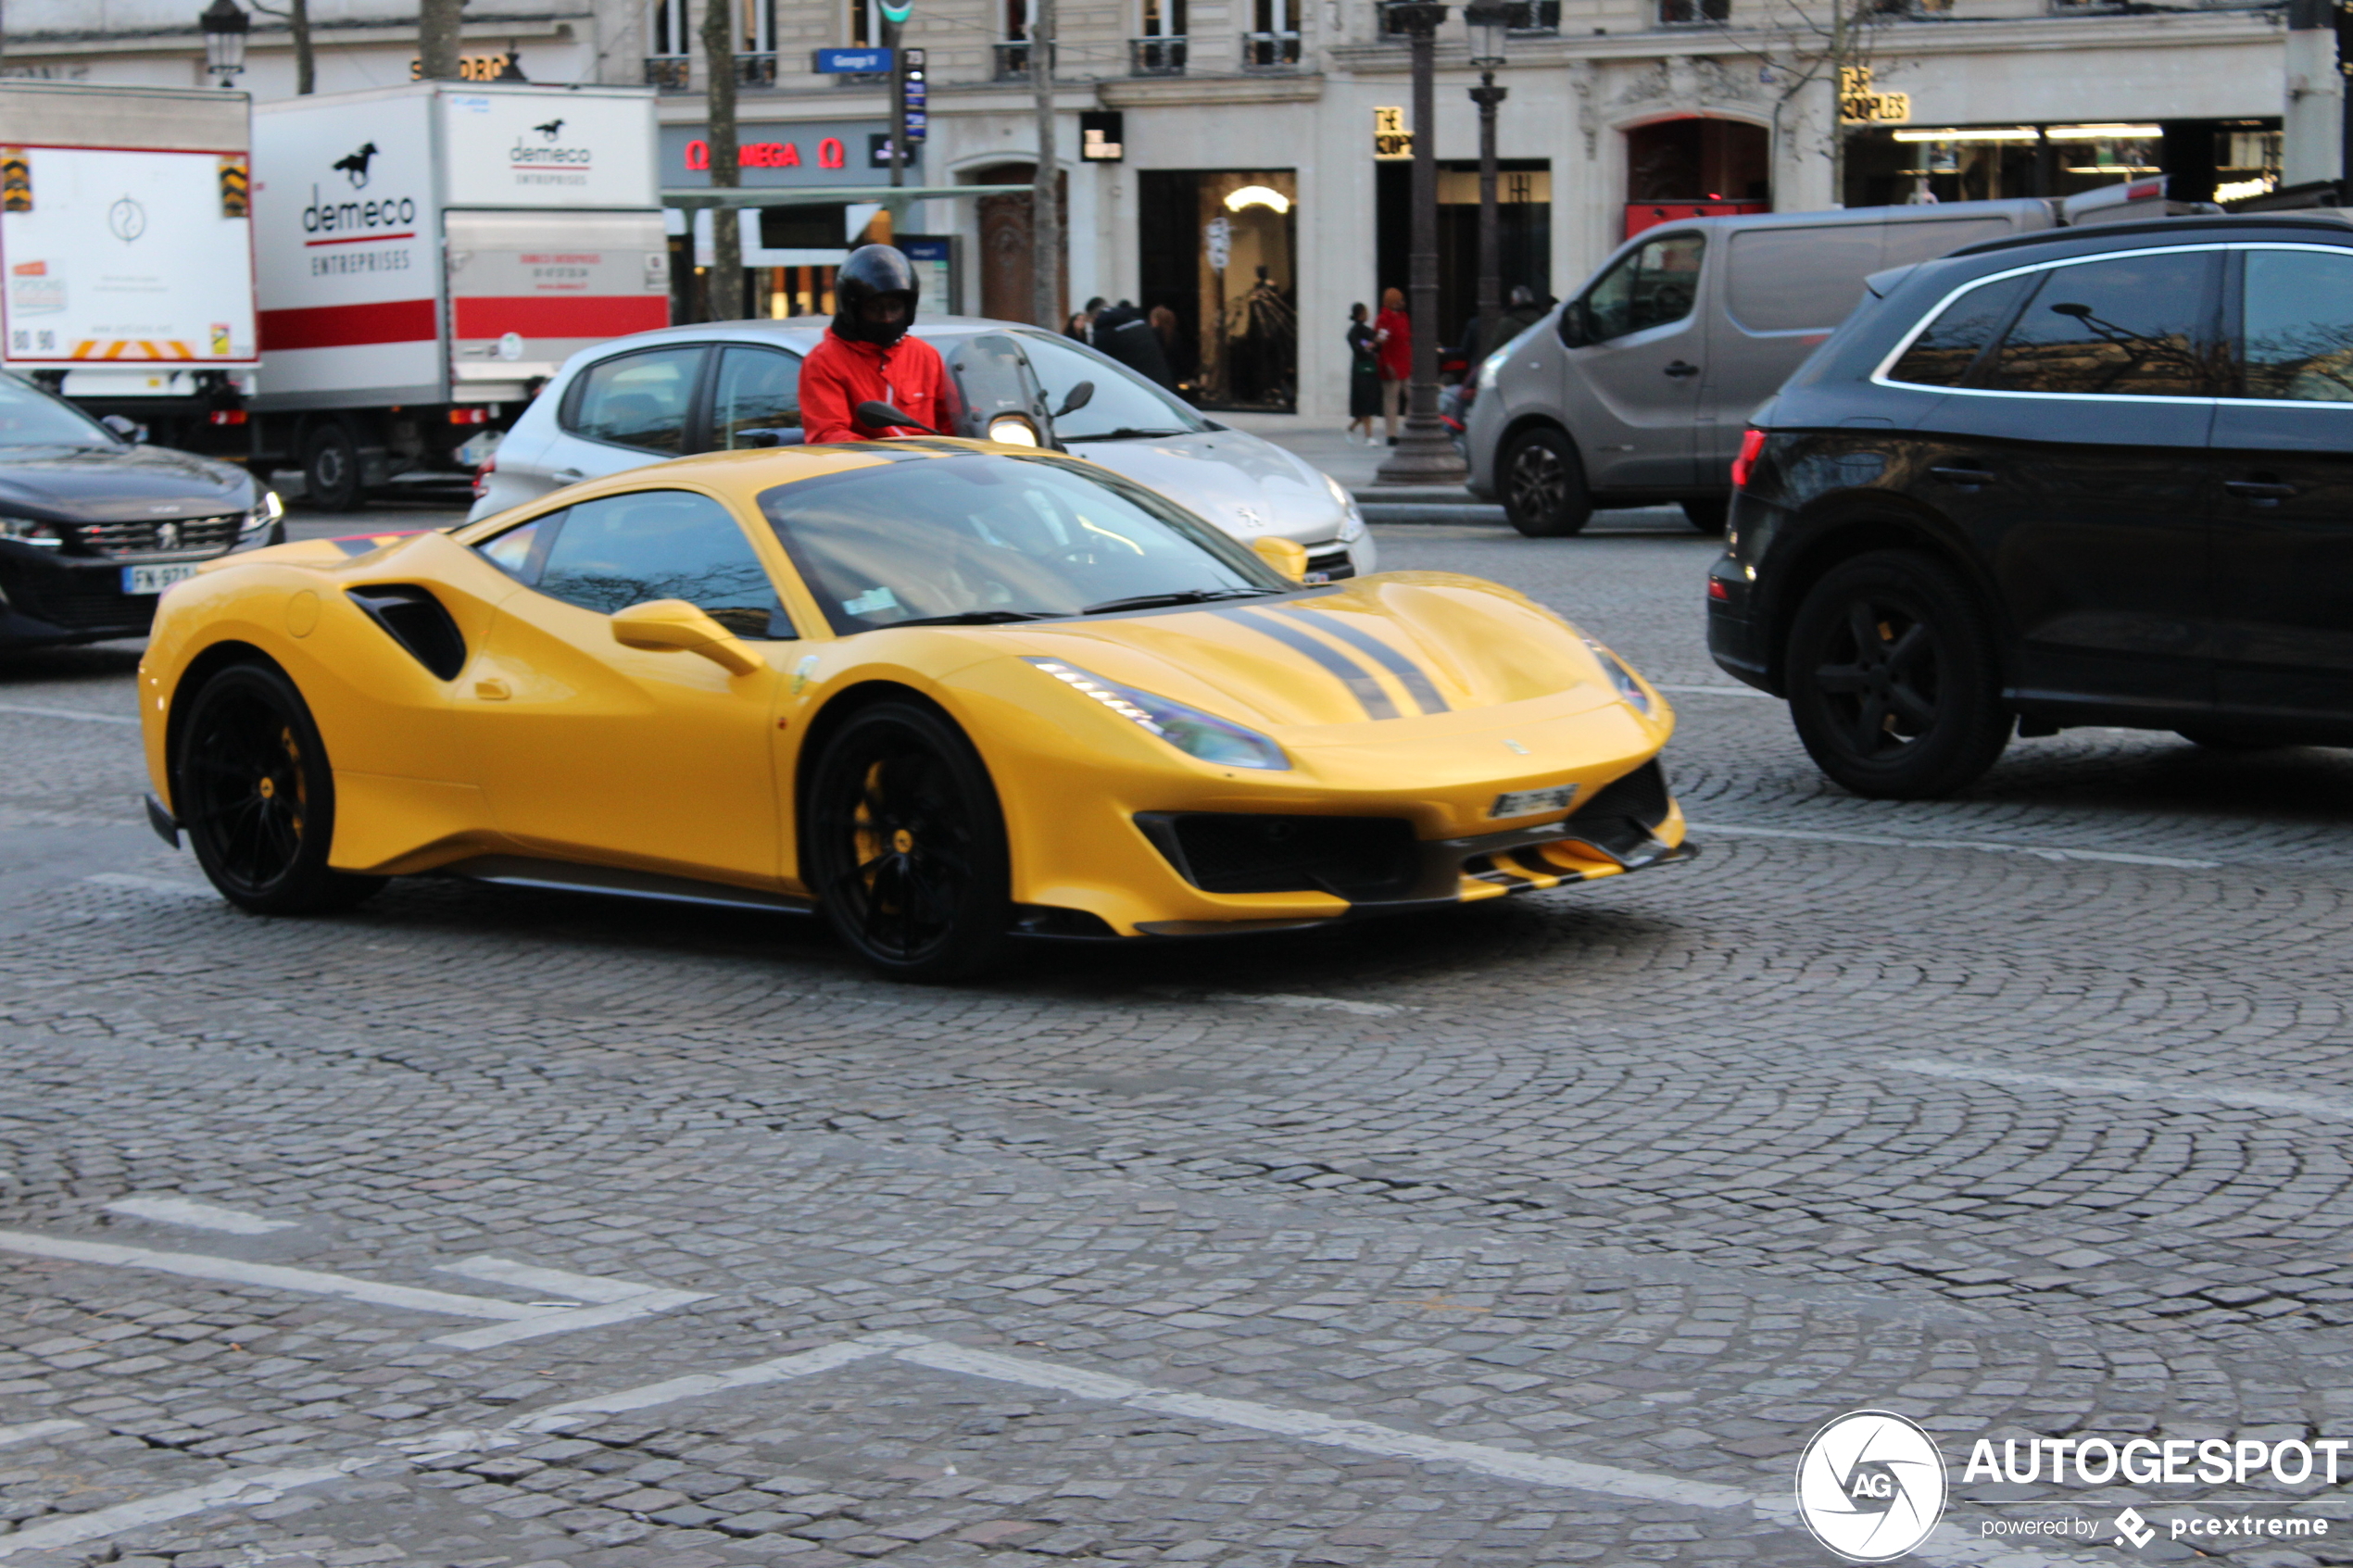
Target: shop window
{"type": "Point", "coordinates": [1217, 251]}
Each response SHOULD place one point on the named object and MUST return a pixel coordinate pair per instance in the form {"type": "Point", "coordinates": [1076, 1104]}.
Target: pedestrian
{"type": "Point", "coordinates": [1082, 325]}
{"type": "Point", "coordinates": [1364, 374]}
{"type": "Point", "coordinates": [1172, 347]}
{"type": "Point", "coordinates": [867, 356]}
{"type": "Point", "coordinates": [1122, 332]}
{"type": "Point", "coordinates": [1393, 330]}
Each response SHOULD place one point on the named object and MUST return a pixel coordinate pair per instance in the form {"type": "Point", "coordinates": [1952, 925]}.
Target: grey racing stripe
{"type": "Point", "coordinates": [1354, 676]}
{"type": "Point", "coordinates": [1408, 673]}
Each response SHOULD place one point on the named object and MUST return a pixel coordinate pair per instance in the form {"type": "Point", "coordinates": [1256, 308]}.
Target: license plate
{"type": "Point", "coordinates": [154, 578]}
{"type": "Point", "coordinates": [1528, 802]}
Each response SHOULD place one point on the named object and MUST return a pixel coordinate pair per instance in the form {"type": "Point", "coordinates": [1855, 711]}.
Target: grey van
{"type": "Point", "coordinates": [1636, 391]}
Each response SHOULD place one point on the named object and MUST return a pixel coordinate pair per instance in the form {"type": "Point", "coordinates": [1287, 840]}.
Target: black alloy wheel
{"type": "Point", "coordinates": [1542, 482]}
{"type": "Point", "coordinates": [330, 468]}
{"type": "Point", "coordinates": [1893, 683]}
{"type": "Point", "coordinates": [906, 846]}
{"type": "Point", "coordinates": [253, 788]}
{"type": "Point", "coordinates": [1708, 513]}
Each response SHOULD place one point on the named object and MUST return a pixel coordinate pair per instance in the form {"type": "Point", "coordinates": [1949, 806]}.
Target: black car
{"type": "Point", "coordinates": [94, 526]}
{"type": "Point", "coordinates": [2089, 476]}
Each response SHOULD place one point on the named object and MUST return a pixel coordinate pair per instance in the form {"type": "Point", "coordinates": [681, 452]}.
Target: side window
{"type": "Point", "coordinates": [2298, 325]}
{"type": "Point", "coordinates": [757, 401]}
{"type": "Point", "coordinates": [1123, 400]}
{"type": "Point", "coordinates": [2127, 325]}
{"type": "Point", "coordinates": [621, 550]}
{"type": "Point", "coordinates": [521, 552]}
{"type": "Point", "coordinates": [1651, 286]}
{"type": "Point", "coordinates": [1950, 346]}
{"type": "Point", "coordinates": [637, 399]}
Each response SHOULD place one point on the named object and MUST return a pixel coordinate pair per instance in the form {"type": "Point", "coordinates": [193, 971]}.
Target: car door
{"type": "Point", "coordinates": [2075, 454]}
{"type": "Point", "coordinates": [2284, 503]}
{"type": "Point", "coordinates": [1630, 378]}
{"type": "Point", "coordinates": [755, 400]}
{"type": "Point", "coordinates": [622, 413]}
{"type": "Point", "coordinates": [591, 751]}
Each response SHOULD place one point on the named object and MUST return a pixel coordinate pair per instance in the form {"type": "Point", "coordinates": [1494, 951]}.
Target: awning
{"type": "Point", "coordinates": [827, 195]}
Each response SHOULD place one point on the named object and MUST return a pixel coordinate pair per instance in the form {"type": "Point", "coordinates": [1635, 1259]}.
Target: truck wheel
{"type": "Point", "coordinates": [1543, 485]}
{"type": "Point", "coordinates": [330, 468]}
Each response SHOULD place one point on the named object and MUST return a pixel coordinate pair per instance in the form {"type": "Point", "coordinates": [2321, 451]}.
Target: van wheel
{"type": "Point", "coordinates": [330, 468]}
{"type": "Point", "coordinates": [1891, 677]}
{"type": "Point", "coordinates": [1543, 485]}
{"type": "Point", "coordinates": [1708, 513]}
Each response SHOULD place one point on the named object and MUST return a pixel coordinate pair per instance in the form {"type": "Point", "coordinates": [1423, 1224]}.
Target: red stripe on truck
{"type": "Point", "coordinates": [347, 326]}
{"type": "Point", "coordinates": [581, 316]}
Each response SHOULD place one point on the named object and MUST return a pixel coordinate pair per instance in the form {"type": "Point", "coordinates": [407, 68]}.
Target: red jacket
{"type": "Point", "coordinates": [1396, 354]}
{"type": "Point", "coordinates": [842, 375]}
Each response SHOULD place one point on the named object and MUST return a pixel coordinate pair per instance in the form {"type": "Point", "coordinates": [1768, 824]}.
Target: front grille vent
{"type": "Point", "coordinates": [1333, 564]}
{"type": "Point", "coordinates": [1353, 857]}
{"type": "Point", "coordinates": [190, 538]}
{"type": "Point", "coordinates": [1641, 795]}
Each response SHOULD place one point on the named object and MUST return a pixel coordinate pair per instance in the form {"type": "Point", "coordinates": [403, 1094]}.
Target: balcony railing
{"type": "Point", "coordinates": [1270, 51]}
{"type": "Point", "coordinates": [1694, 13]}
{"type": "Point", "coordinates": [670, 73]}
{"type": "Point", "coordinates": [1160, 55]}
{"type": "Point", "coordinates": [1013, 60]}
{"type": "Point", "coordinates": [755, 70]}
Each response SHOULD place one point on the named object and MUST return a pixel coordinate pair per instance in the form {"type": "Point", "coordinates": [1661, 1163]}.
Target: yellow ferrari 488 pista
{"type": "Point", "coordinates": [944, 692]}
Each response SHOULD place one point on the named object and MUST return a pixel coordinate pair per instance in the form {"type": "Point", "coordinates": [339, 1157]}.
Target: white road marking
{"type": "Point", "coordinates": [237, 1490]}
{"type": "Point", "coordinates": [169, 1209]}
{"type": "Point", "coordinates": [547, 1282]}
{"type": "Point", "coordinates": [153, 885]}
{"type": "Point", "coordinates": [568, 1320]}
{"type": "Point", "coordinates": [270, 1277]}
{"type": "Point", "coordinates": [83, 715]}
{"type": "Point", "coordinates": [2320, 1107]}
{"type": "Point", "coordinates": [1879, 841]}
{"type": "Point", "coordinates": [1282, 1000]}
{"type": "Point", "coordinates": [33, 1431]}
{"type": "Point", "coordinates": [1716, 691]}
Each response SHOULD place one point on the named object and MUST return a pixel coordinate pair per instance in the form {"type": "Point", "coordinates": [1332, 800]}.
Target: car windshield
{"type": "Point", "coordinates": [31, 418]}
{"type": "Point", "coordinates": [983, 537]}
{"type": "Point", "coordinates": [1123, 404]}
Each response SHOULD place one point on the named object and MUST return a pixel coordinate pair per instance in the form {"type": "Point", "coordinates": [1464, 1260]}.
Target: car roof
{"type": "Point", "coordinates": [2322, 224]}
{"type": "Point", "coordinates": [801, 333]}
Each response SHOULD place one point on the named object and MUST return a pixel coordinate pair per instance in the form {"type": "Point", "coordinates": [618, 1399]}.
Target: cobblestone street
{"type": "Point", "coordinates": [491, 1228]}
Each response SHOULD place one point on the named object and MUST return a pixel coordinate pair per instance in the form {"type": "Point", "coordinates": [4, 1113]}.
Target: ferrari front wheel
{"type": "Point", "coordinates": [253, 788]}
{"type": "Point", "coordinates": [905, 845]}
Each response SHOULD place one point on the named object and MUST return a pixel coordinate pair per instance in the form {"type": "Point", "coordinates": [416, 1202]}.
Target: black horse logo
{"type": "Point", "coordinates": [550, 128]}
{"type": "Point", "coordinates": [355, 167]}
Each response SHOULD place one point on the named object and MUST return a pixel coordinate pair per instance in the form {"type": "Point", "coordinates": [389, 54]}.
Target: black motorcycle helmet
{"type": "Point", "coordinates": [871, 272]}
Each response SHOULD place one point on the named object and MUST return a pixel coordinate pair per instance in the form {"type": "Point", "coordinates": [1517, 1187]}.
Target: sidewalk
{"type": "Point", "coordinates": [1326, 445]}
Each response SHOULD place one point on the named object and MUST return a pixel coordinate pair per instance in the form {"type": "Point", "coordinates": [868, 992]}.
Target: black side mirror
{"type": "Point", "coordinates": [2081, 312]}
{"type": "Point", "coordinates": [1080, 395]}
{"type": "Point", "coordinates": [130, 430]}
{"type": "Point", "coordinates": [1576, 325]}
{"type": "Point", "coordinates": [877, 414]}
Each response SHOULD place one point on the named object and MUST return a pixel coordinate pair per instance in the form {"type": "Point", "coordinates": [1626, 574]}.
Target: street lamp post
{"type": "Point", "coordinates": [1489, 21]}
{"type": "Point", "coordinates": [224, 28]}
{"type": "Point", "coordinates": [1424, 455]}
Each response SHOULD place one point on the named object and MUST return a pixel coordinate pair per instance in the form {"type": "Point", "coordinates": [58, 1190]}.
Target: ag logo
{"type": "Point", "coordinates": [1870, 1486]}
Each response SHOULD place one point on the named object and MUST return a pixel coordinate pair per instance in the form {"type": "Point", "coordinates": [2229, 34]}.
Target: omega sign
{"type": "Point", "coordinates": [831, 154]}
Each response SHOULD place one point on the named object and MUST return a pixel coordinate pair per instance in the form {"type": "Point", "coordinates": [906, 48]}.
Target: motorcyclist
{"type": "Point", "coordinates": [867, 355]}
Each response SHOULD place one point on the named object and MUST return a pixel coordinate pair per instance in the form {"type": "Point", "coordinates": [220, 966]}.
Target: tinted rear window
{"type": "Point", "coordinates": [1943, 353]}
{"type": "Point", "coordinates": [2128, 325]}
{"type": "Point", "coordinates": [1800, 279]}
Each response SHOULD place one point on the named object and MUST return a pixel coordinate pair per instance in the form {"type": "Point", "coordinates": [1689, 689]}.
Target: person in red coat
{"type": "Point", "coordinates": [1393, 330]}
{"type": "Point", "coordinates": [867, 356]}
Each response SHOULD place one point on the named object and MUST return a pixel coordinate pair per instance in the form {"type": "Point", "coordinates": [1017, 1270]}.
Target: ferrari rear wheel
{"type": "Point", "coordinates": [254, 790]}
{"type": "Point", "coordinates": [906, 845]}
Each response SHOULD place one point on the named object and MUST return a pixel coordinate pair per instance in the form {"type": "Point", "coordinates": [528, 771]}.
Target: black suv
{"type": "Point", "coordinates": [2084, 477]}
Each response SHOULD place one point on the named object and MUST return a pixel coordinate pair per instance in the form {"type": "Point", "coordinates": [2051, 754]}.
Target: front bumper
{"type": "Point", "coordinates": [48, 597]}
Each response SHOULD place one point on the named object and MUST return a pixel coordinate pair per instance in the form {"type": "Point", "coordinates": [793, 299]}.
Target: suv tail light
{"type": "Point", "coordinates": [1752, 443]}
{"type": "Point", "coordinates": [481, 475]}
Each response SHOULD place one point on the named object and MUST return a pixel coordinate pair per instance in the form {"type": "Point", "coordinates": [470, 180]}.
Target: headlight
{"type": "Point", "coordinates": [265, 513]}
{"type": "Point", "coordinates": [24, 532]}
{"type": "Point", "coordinates": [1621, 677]}
{"type": "Point", "coordinates": [1493, 367]}
{"type": "Point", "coordinates": [1352, 519]}
{"type": "Point", "coordinates": [1213, 740]}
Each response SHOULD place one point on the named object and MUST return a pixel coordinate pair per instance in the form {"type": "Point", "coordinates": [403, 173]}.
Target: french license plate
{"type": "Point", "coordinates": [1528, 802]}
{"type": "Point", "coordinates": [154, 578]}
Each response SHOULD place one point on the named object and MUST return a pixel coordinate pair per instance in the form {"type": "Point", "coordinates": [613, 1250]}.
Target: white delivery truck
{"type": "Point", "coordinates": [429, 254]}
{"type": "Point", "coordinates": [127, 246]}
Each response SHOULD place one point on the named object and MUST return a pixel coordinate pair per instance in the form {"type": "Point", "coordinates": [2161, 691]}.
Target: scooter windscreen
{"type": "Point", "coordinates": [997, 395]}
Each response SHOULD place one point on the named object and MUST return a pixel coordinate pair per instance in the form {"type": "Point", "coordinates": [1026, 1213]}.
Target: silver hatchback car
{"type": "Point", "coordinates": [726, 385]}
